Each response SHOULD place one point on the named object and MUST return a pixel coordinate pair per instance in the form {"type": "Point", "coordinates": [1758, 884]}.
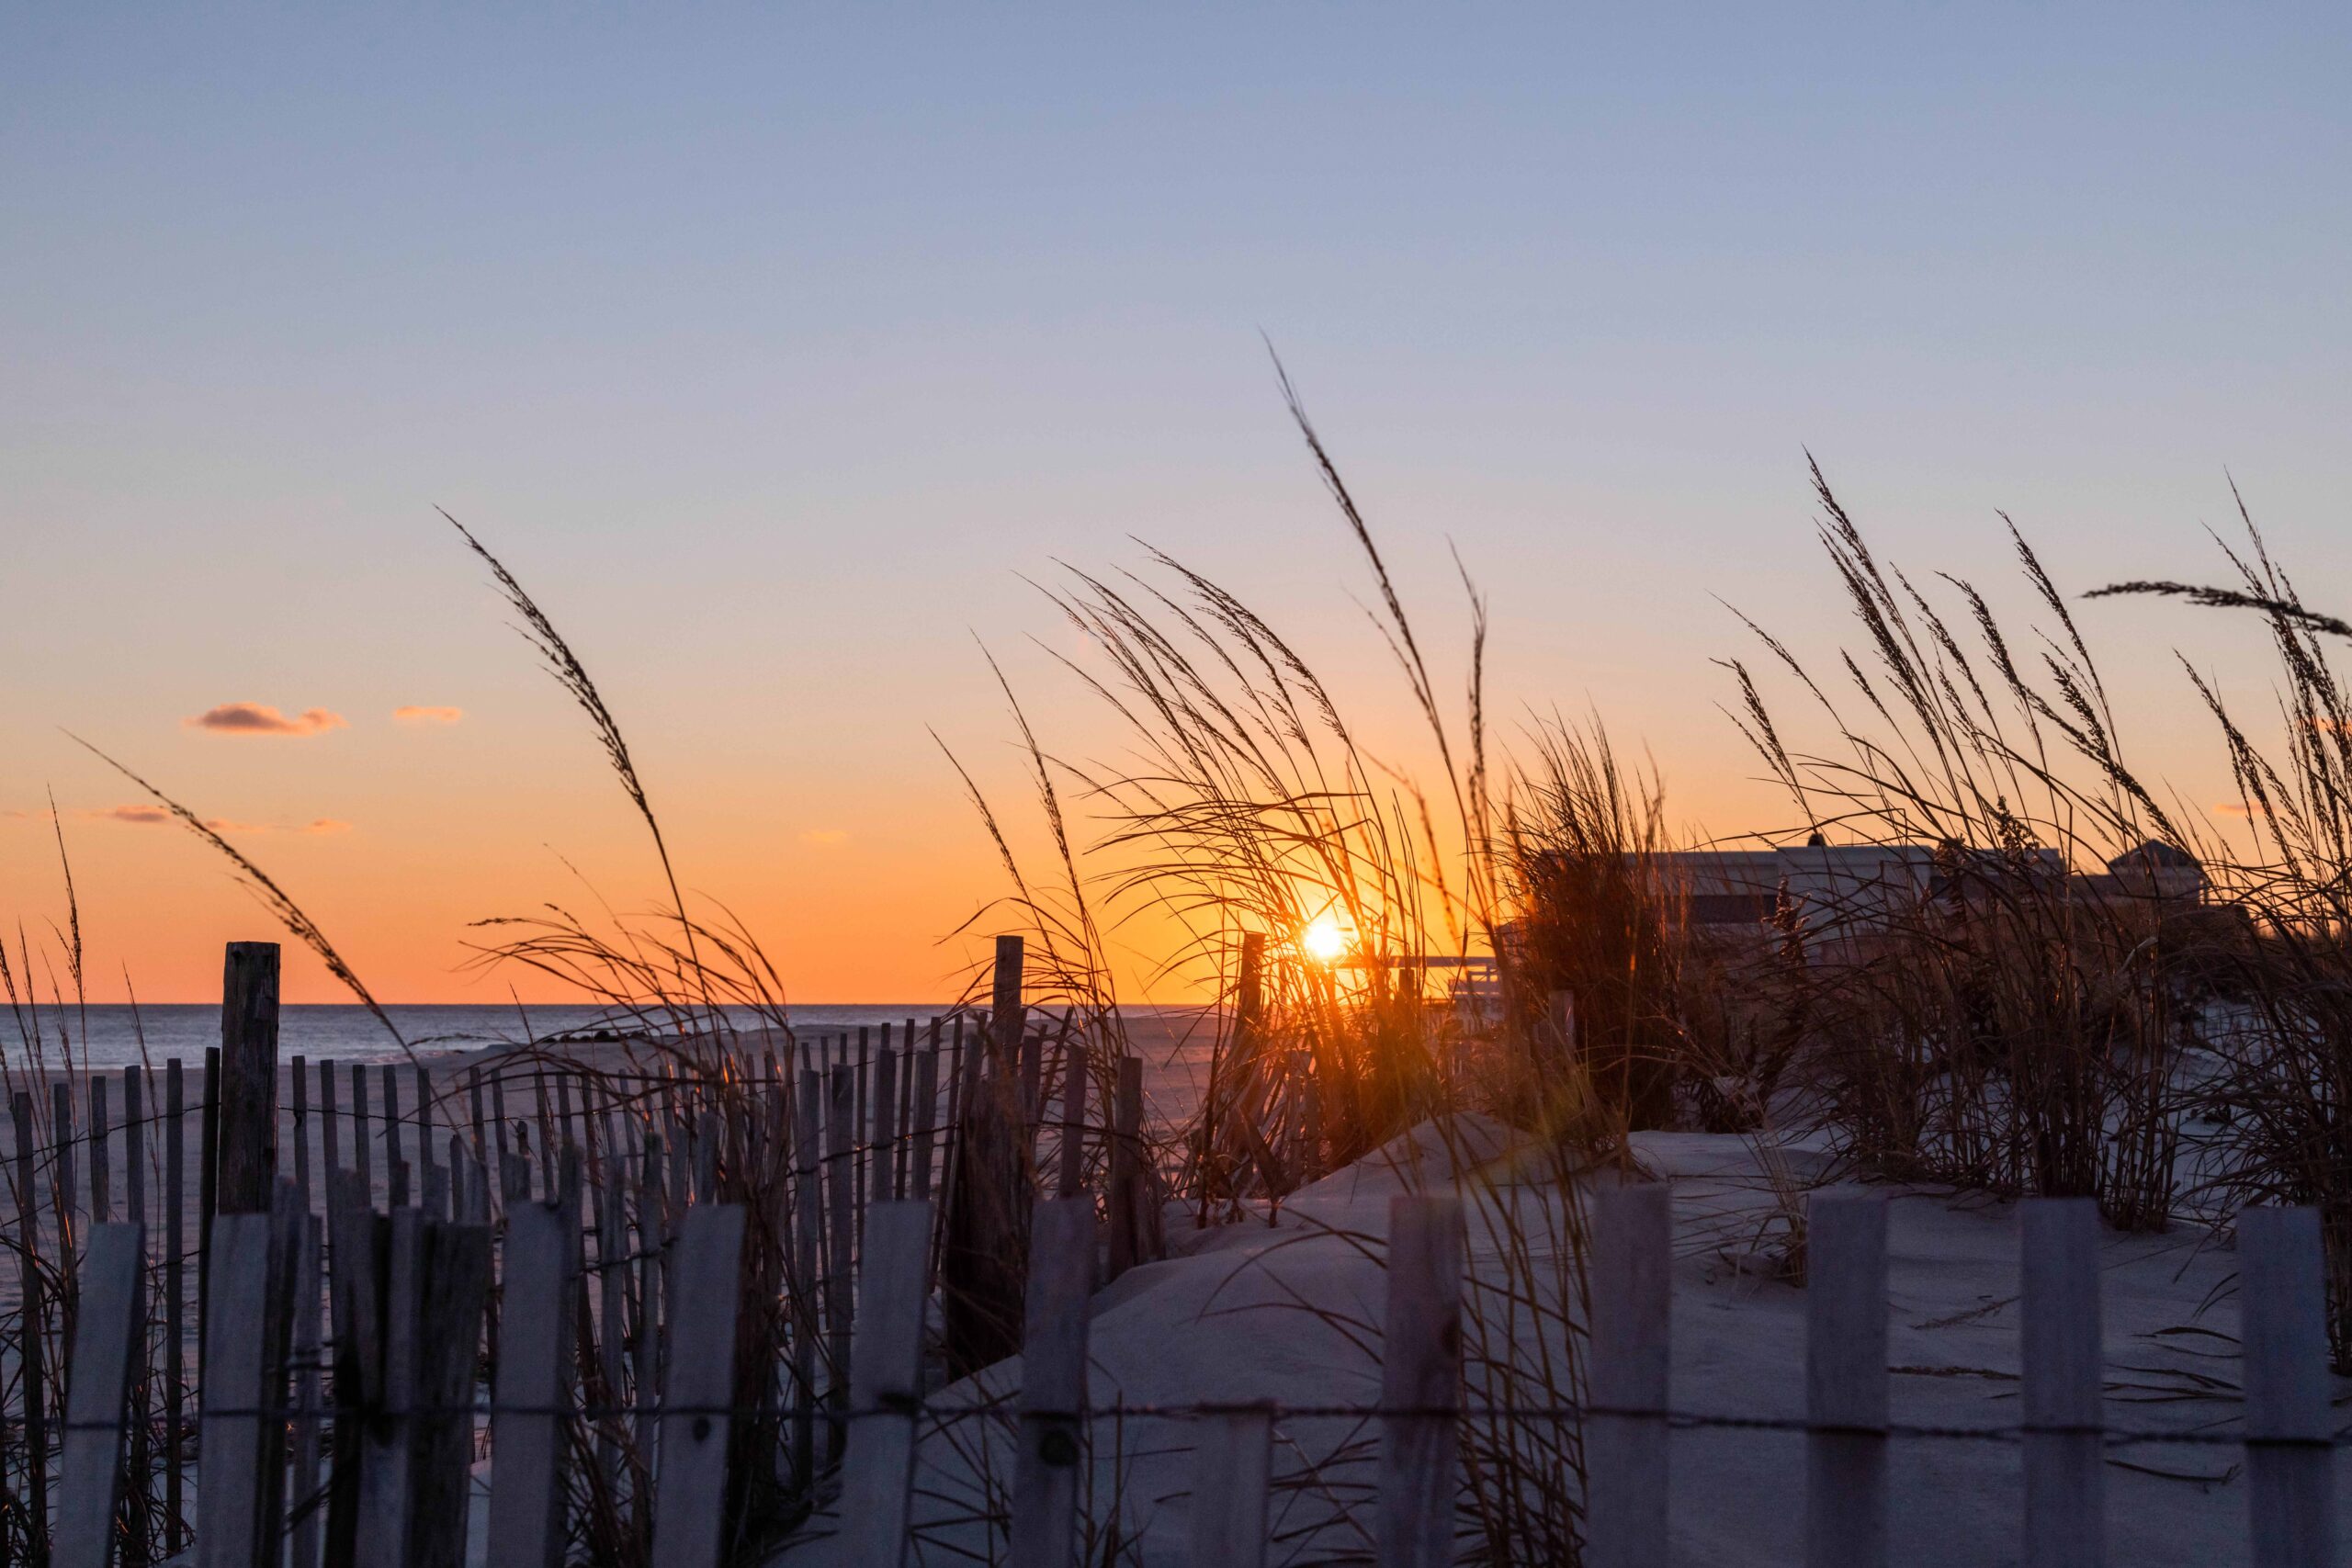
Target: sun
{"type": "Point", "coordinates": [1323, 940]}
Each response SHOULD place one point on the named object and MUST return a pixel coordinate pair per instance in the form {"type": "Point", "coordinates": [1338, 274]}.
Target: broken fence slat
{"type": "Point", "coordinates": [1420, 1377]}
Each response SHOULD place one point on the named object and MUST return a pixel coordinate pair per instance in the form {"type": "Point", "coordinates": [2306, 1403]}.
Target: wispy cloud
{"type": "Point", "coordinates": [414, 714]}
{"type": "Point", "coordinates": [824, 838]}
{"type": "Point", "coordinates": [260, 718]}
{"type": "Point", "coordinates": [143, 815]}
{"type": "Point", "coordinates": [2240, 809]}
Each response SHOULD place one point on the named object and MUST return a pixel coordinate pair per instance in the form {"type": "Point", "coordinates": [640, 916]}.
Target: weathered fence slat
{"type": "Point", "coordinates": [885, 1185]}
{"type": "Point", "coordinates": [1126, 1168]}
{"type": "Point", "coordinates": [1050, 1461]}
{"type": "Point", "coordinates": [689, 1506]}
{"type": "Point", "coordinates": [840, 1128]}
{"type": "Point", "coordinates": [396, 1164]}
{"type": "Point", "coordinates": [1846, 1381]}
{"type": "Point", "coordinates": [2283, 1293]}
{"type": "Point", "coordinates": [134, 1142]}
{"type": "Point", "coordinates": [808, 1223]}
{"type": "Point", "coordinates": [533, 1364]}
{"type": "Point", "coordinates": [456, 1288]}
{"type": "Point", "coordinates": [1073, 1143]}
{"type": "Point", "coordinates": [33, 1361]}
{"type": "Point", "coordinates": [1232, 1453]}
{"type": "Point", "coordinates": [236, 1527]}
{"type": "Point", "coordinates": [886, 1384]}
{"type": "Point", "coordinates": [388, 1443]}
{"type": "Point", "coordinates": [1420, 1377]}
{"type": "Point", "coordinates": [1625, 1436]}
{"type": "Point", "coordinates": [310, 1521]}
{"type": "Point", "coordinates": [926, 1109]}
{"type": "Point", "coordinates": [175, 1307]}
{"type": "Point", "coordinates": [101, 1168]}
{"type": "Point", "coordinates": [2065, 1523]}
{"type": "Point", "coordinates": [108, 1336]}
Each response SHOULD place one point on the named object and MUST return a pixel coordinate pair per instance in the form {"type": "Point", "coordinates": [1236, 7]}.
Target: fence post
{"type": "Point", "coordinates": [2283, 1293]}
{"type": "Point", "coordinates": [1846, 1385]}
{"type": "Point", "coordinates": [1126, 1168]}
{"type": "Point", "coordinates": [1232, 1454]}
{"type": "Point", "coordinates": [248, 1078]}
{"type": "Point", "coordinates": [534, 1359]}
{"type": "Point", "coordinates": [690, 1504]}
{"type": "Point", "coordinates": [886, 1384]}
{"type": "Point", "coordinates": [107, 1341]}
{"type": "Point", "coordinates": [1420, 1381]}
{"type": "Point", "coordinates": [2065, 1523]}
{"type": "Point", "coordinates": [1050, 1459]}
{"type": "Point", "coordinates": [1626, 1436]}
{"type": "Point", "coordinates": [1008, 1019]}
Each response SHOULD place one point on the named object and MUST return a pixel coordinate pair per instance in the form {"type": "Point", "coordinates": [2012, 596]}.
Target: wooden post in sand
{"type": "Point", "coordinates": [983, 1266]}
{"type": "Point", "coordinates": [2290, 1428]}
{"type": "Point", "coordinates": [1420, 1383]}
{"type": "Point", "coordinates": [1625, 1434]}
{"type": "Point", "coordinates": [2064, 1462]}
{"type": "Point", "coordinates": [1049, 1461]}
{"type": "Point", "coordinates": [1846, 1383]}
{"type": "Point", "coordinates": [248, 1078]}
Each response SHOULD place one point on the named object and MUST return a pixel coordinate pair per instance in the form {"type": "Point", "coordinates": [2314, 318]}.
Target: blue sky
{"type": "Point", "coordinates": [770, 346]}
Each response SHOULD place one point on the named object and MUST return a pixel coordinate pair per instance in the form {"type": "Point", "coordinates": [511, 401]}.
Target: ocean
{"type": "Point", "coordinates": [111, 1036]}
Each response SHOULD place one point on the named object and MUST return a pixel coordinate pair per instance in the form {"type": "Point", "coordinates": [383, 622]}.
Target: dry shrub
{"type": "Point", "coordinates": [1984, 1015]}
{"type": "Point", "coordinates": [2279, 1095]}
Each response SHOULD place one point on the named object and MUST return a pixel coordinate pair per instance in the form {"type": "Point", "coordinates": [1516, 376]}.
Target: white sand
{"type": "Point", "coordinates": [1224, 1322]}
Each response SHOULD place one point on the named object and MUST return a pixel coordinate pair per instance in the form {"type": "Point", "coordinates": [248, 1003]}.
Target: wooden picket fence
{"type": "Point", "coordinates": [723, 1283]}
{"type": "Point", "coordinates": [400, 1480]}
{"type": "Point", "coordinates": [813, 1130]}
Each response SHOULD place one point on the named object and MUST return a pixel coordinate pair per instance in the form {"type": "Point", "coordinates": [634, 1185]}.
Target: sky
{"type": "Point", "coordinates": [781, 350]}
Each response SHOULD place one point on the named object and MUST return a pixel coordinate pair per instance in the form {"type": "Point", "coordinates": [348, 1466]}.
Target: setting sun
{"type": "Point", "coordinates": [1323, 940]}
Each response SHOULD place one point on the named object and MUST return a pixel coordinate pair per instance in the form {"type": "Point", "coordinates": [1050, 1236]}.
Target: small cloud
{"type": "Point", "coordinates": [327, 825]}
{"type": "Point", "coordinates": [143, 815]}
{"type": "Point", "coordinates": [260, 718]}
{"type": "Point", "coordinates": [412, 714]}
{"type": "Point", "coordinates": [824, 838]}
{"type": "Point", "coordinates": [2239, 810]}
